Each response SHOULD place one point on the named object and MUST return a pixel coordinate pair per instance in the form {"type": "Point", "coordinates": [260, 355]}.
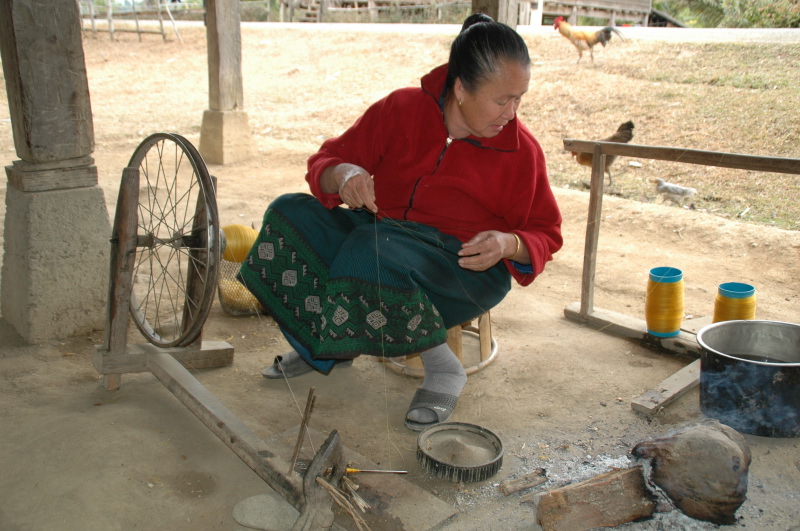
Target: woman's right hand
{"type": "Point", "coordinates": [353, 183]}
{"type": "Point", "coordinates": [357, 189]}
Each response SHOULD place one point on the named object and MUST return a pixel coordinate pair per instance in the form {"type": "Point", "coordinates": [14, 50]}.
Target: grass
{"type": "Point", "coordinates": [725, 97]}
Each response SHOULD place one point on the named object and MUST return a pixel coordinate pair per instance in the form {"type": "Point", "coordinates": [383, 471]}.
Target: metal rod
{"type": "Point", "coordinates": [358, 470]}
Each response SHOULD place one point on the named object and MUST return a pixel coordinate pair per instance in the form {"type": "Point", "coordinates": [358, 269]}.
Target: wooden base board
{"type": "Point", "coordinates": [134, 358]}
{"type": "Point", "coordinates": [621, 325]}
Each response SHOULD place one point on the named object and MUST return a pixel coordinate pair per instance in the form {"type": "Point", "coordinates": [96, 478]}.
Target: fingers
{"type": "Point", "coordinates": [357, 190]}
{"type": "Point", "coordinates": [481, 252]}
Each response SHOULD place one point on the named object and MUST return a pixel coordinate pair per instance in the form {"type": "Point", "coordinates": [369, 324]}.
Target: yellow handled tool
{"type": "Point", "coordinates": [358, 470]}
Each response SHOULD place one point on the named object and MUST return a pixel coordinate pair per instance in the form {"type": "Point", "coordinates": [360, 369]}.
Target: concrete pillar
{"type": "Point", "coordinates": [55, 251]}
{"type": "Point", "coordinates": [505, 11]}
{"type": "Point", "coordinates": [225, 135]}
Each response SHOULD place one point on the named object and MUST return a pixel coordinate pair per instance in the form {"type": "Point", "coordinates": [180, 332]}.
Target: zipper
{"type": "Point", "coordinates": [416, 184]}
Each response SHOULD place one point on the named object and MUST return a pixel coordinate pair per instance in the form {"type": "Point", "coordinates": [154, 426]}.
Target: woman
{"type": "Point", "coordinates": [448, 201]}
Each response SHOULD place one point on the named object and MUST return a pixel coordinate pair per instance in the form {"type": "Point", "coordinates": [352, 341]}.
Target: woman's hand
{"type": "Point", "coordinates": [485, 249]}
{"type": "Point", "coordinates": [353, 183]}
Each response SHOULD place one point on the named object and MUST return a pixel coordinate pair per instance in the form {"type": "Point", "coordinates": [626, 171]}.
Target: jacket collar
{"type": "Point", "coordinates": [508, 139]}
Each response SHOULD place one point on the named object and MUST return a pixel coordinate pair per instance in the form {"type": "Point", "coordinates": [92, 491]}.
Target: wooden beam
{"type": "Point", "coordinates": [689, 156]}
{"type": "Point", "coordinates": [231, 431]}
{"type": "Point", "coordinates": [621, 325]}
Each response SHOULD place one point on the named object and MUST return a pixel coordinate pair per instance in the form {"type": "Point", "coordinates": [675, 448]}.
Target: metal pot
{"type": "Point", "coordinates": [750, 376]}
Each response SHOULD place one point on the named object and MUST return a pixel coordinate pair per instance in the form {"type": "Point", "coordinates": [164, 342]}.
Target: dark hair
{"type": "Point", "coordinates": [478, 49]}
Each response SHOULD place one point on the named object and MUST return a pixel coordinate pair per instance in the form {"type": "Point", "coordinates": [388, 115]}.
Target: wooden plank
{"type": "Point", "coordinates": [669, 390]}
{"type": "Point", "coordinates": [607, 500]}
{"type": "Point", "coordinates": [133, 359]}
{"type": "Point", "coordinates": [689, 156]}
{"type": "Point", "coordinates": [622, 325]}
{"type": "Point", "coordinates": [211, 354]}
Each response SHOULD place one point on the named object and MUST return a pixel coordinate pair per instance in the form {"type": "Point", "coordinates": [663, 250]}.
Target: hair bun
{"type": "Point", "coordinates": [476, 18]}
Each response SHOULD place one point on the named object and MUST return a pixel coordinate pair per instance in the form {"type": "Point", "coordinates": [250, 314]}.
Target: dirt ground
{"type": "Point", "coordinates": [77, 457]}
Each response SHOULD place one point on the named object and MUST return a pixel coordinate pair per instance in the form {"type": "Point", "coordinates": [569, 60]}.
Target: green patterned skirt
{"type": "Point", "coordinates": [340, 284]}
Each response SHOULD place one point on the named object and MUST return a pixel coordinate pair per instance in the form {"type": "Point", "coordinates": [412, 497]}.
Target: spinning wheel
{"type": "Point", "coordinates": [178, 245]}
{"type": "Point", "coordinates": [165, 256]}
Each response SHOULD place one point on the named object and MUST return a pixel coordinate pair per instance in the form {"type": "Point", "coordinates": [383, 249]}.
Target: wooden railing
{"type": "Point", "coordinates": [619, 324]}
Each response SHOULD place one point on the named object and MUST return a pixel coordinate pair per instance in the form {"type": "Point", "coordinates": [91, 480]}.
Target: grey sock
{"type": "Point", "coordinates": [443, 374]}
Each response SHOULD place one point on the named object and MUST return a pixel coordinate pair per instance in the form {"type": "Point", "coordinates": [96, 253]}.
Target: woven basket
{"type": "Point", "coordinates": [234, 298]}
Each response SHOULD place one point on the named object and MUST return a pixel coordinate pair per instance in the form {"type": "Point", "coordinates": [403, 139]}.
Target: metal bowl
{"type": "Point", "coordinates": [750, 376]}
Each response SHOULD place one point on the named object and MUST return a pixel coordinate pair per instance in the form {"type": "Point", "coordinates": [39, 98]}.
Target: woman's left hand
{"type": "Point", "coordinates": [485, 249]}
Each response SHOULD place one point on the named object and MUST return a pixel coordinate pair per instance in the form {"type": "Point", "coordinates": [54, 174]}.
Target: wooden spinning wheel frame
{"type": "Point", "coordinates": [165, 256]}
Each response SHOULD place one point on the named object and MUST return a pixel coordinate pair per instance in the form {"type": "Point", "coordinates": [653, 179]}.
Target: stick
{"type": "Point", "coordinates": [303, 424]}
{"type": "Point", "coordinates": [527, 481]}
{"type": "Point", "coordinates": [350, 487]}
{"type": "Point", "coordinates": [342, 502]}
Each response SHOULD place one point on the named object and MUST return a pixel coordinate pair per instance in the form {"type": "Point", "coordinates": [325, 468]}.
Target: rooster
{"type": "Point", "coordinates": [673, 192]}
{"type": "Point", "coordinates": [623, 135]}
{"type": "Point", "coordinates": [585, 40]}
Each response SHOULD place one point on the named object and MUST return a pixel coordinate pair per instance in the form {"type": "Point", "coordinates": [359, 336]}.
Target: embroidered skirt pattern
{"type": "Point", "coordinates": [342, 284]}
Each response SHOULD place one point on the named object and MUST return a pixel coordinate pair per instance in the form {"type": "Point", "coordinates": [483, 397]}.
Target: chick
{"type": "Point", "coordinates": [622, 135]}
{"type": "Point", "coordinates": [673, 192]}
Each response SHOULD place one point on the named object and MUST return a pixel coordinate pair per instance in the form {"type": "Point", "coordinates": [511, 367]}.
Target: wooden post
{"type": "Point", "coordinates": [225, 135]}
{"type": "Point", "coordinates": [454, 341]}
{"type": "Point", "coordinates": [592, 232]}
{"type": "Point", "coordinates": [123, 255]}
{"type": "Point", "coordinates": [110, 18]}
{"type": "Point", "coordinates": [485, 333]}
{"type": "Point", "coordinates": [505, 11]}
{"type": "Point", "coordinates": [54, 184]}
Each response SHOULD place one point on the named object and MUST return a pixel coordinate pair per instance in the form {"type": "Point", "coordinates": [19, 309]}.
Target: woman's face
{"type": "Point", "coordinates": [494, 103]}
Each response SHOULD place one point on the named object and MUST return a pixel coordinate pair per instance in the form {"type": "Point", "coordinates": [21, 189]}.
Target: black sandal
{"type": "Point", "coordinates": [441, 404]}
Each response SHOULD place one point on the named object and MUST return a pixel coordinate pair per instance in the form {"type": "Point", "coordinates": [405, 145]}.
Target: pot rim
{"type": "Point", "coordinates": [704, 345]}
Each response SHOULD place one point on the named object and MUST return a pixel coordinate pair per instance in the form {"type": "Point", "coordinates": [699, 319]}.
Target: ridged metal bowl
{"type": "Point", "coordinates": [460, 452]}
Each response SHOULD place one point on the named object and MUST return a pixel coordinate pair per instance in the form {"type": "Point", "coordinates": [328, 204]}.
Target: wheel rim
{"type": "Point", "coordinates": [177, 254]}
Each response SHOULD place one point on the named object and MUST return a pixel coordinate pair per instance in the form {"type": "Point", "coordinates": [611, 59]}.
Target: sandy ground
{"type": "Point", "coordinates": [77, 457]}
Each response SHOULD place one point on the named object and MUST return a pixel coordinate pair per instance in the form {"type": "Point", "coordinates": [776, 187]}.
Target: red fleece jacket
{"type": "Point", "coordinates": [462, 187]}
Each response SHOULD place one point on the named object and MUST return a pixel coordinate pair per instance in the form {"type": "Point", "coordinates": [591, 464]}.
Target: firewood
{"type": "Point", "coordinates": [510, 486]}
{"type": "Point", "coordinates": [607, 500]}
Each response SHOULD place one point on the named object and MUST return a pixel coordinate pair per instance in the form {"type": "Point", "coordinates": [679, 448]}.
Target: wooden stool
{"type": "Point", "coordinates": [480, 351]}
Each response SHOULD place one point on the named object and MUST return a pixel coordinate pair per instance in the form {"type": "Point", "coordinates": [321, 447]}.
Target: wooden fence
{"type": "Point", "coordinates": [619, 324]}
{"type": "Point", "coordinates": [139, 20]}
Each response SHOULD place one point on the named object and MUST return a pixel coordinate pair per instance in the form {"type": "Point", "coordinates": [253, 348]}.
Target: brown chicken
{"type": "Point", "coordinates": [585, 40]}
{"type": "Point", "coordinates": [622, 136]}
